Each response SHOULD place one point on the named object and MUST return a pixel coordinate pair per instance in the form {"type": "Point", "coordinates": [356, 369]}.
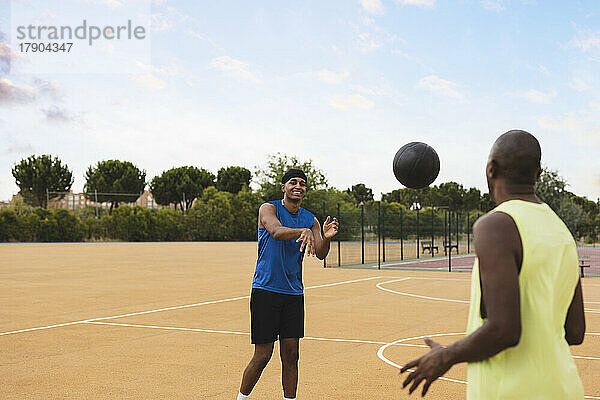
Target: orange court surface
{"type": "Point", "coordinates": [171, 321]}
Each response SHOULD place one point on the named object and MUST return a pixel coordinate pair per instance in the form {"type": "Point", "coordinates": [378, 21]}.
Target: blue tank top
{"type": "Point", "coordinates": [279, 264]}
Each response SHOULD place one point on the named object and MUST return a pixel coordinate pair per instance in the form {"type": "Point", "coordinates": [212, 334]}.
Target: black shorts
{"type": "Point", "coordinates": [275, 315]}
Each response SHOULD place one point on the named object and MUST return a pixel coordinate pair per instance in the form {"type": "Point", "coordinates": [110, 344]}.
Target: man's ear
{"type": "Point", "coordinates": [491, 169]}
{"type": "Point", "coordinates": [283, 187]}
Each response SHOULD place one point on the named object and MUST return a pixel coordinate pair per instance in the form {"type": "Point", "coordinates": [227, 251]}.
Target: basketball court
{"type": "Point", "coordinates": [171, 320]}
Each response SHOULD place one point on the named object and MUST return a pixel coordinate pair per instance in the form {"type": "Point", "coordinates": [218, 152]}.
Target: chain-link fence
{"type": "Point", "coordinates": [383, 234]}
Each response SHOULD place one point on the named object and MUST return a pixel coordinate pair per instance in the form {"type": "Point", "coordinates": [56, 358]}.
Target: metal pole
{"type": "Point", "coordinates": [362, 233]}
{"type": "Point", "coordinates": [324, 216]}
{"type": "Point", "coordinates": [383, 232]}
{"type": "Point", "coordinates": [339, 245]}
{"type": "Point", "coordinates": [418, 233]}
{"type": "Point", "coordinates": [378, 235]}
{"type": "Point", "coordinates": [401, 238]}
{"type": "Point", "coordinates": [445, 231]}
{"type": "Point", "coordinates": [432, 236]}
{"type": "Point", "coordinates": [96, 202]}
{"type": "Point", "coordinates": [449, 241]}
{"type": "Point", "coordinates": [457, 238]}
{"type": "Point", "coordinates": [468, 233]}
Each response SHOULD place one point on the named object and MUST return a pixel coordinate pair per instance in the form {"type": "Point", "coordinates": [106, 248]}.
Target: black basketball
{"type": "Point", "coordinates": [416, 165]}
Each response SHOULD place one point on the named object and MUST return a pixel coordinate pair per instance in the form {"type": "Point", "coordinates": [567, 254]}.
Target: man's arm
{"type": "Point", "coordinates": [322, 243]}
{"type": "Point", "coordinates": [575, 322]}
{"type": "Point", "coordinates": [499, 250]}
{"type": "Point", "coordinates": [267, 218]}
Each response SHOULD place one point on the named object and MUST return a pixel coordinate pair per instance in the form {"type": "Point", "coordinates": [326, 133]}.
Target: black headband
{"type": "Point", "coordinates": [293, 173]}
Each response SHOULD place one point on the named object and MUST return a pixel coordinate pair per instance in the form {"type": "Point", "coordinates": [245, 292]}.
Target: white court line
{"type": "Point", "coordinates": [400, 341]}
{"type": "Point", "coordinates": [415, 295]}
{"type": "Point", "coordinates": [174, 328]}
{"type": "Point", "coordinates": [394, 343]}
{"type": "Point", "coordinates": [170, 308]}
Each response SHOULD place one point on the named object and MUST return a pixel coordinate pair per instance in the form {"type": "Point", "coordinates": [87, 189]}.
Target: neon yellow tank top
{"type": "Point", "coordinates": [540, 367]}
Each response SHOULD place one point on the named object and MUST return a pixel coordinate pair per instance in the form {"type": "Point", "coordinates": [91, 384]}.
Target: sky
{"type": "Point", "coordinates": [344, 83]}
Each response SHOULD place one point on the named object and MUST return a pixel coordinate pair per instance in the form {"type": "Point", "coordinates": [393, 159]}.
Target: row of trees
{"type": "Point", "coordinates": [43, 178]}
{"type": "Point", "coordinates": [216, 215]}
{"type": "Point", "coordinates": [220, 198]}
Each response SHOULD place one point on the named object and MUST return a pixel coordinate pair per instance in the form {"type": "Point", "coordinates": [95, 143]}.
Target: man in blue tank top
{"type": "Point", "coordinates": [286, 232]}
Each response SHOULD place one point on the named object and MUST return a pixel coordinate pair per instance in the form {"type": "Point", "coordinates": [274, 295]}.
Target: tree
{"type": "Point", "coordinates": [269, 178]}
{"type": "Point", "coordinates": [38, 177]}
{"type": "Point", "coordinates": [245, 206]}
{"type": "Point", "coordinates": [181, 185]}
{"type": "Point", "coordinates": [115, 182]}
{"type": "Point", "coordinates": [551, 189]}
{"type": "Point", "coordinates": [360, 193]}
{"type": "Point", "coordinates": [408, 196]}
{"type": "Point", "coordinates": [233, 179]}
{"type": "Point", "coordinates": [212, 216]}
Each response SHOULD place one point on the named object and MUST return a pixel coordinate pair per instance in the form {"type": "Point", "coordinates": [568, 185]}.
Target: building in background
{"type": "Point", "coordinates": [75, 201]}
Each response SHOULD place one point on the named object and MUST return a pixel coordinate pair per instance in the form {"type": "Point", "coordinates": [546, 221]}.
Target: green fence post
{"type": "Point", "coordinates": [449, 241]}
{"type": "Point", "coordinates": [379, 235]}
{"type": "Point", "coordinates": [432, 237]}
{"type": "Point", "coordinates": [383, 232]}
{"type": "Point", "coordinates": [362, 232]}
{"type": "Point", "coordinates": [445, 231]}
{"type": "Point", "coordinates": [324, 216]}
{"type": "Point", "coordinates": [418, 232]}
{"type": "Point", "coordinates": [401, 238]}
{"type": "Point", "coordinates": [339, 243]}
{"type": "Point", "coordinates": [457, 237]}
{"type": "Point", "coordinates": [468, 234]}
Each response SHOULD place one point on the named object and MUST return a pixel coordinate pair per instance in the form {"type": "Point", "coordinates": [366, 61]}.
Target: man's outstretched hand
{"type": "Point", "coordinates": [330, 227]}
{"type": "Point", "coordinates": [427, 368]}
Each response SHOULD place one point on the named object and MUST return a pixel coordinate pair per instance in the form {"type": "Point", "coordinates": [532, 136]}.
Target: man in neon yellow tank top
{"type": "Point", "coordinates": [526, 301]}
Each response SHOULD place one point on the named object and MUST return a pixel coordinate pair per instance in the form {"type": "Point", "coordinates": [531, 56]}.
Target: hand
{"type": "Point", "coordinates": [308, 242]}
{"type": "Point", "coordinates": [330, 229]}
{"type": "Point", "coordinates": [428, 368]}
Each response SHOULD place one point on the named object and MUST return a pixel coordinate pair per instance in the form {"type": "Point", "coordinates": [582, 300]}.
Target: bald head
{"type": "Point", "coordinates": [517, 156]}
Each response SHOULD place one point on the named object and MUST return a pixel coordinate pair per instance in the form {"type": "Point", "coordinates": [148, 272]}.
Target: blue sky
{"type": "Point", "coordinates": [344, 83]}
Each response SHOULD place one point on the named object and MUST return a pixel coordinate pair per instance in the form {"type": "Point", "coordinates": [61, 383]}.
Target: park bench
{"type": "Point", "coordinates": [450, 246]}
{"type": "Point", "coordinates": [428, 245]}
{"type": "Point", "coordinates": [584, 262]}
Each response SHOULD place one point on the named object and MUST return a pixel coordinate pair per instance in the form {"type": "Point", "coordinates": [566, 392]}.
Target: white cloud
{"type": "Point", "coordinates": [367, 42]}
{"type": "Point", "coordinates": [57, 114]}
{"type": "Point", "coordinates": [443, 87]}
{"type": "Point", "coordinates": [354, 101]}
{"type": "Point", "coordinates": [332, 77]}
{"type": "Point", "coordinates": [543, 70]}
{"type": "Point", "coordinates": [595, 104]}
{"type": "Point", "coordinates": [418, 3]}
{"type": "Point", "coordinates": [537, 97]}
{"type": "Point", "coordinates": [373, 7]}
{"type": "Point", "coordinates": [493, 5]}
{"type": "Point", "coordinates": [11, 94]}
{"type": "Point", "coordinates": [586, 133]}
{"type": "Point", "coordinates": [567, 123]}
{"type": "Point", "coordinates": [161, 22]}
{"type": "Point", "coordinates": [582, 80]}
{"type": "Point", "coordinates": [588, 43]}
{"type": "Point", "coordinates": [113, 3]}
{"type": "Point", "coordinates": [379, 90]}
{"type": "Point", "coordinates": [163, 71]}
{"type": "Point", "coordinates": [149, 80]}
{"type": "Point", "coordinates": [236, 68]}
